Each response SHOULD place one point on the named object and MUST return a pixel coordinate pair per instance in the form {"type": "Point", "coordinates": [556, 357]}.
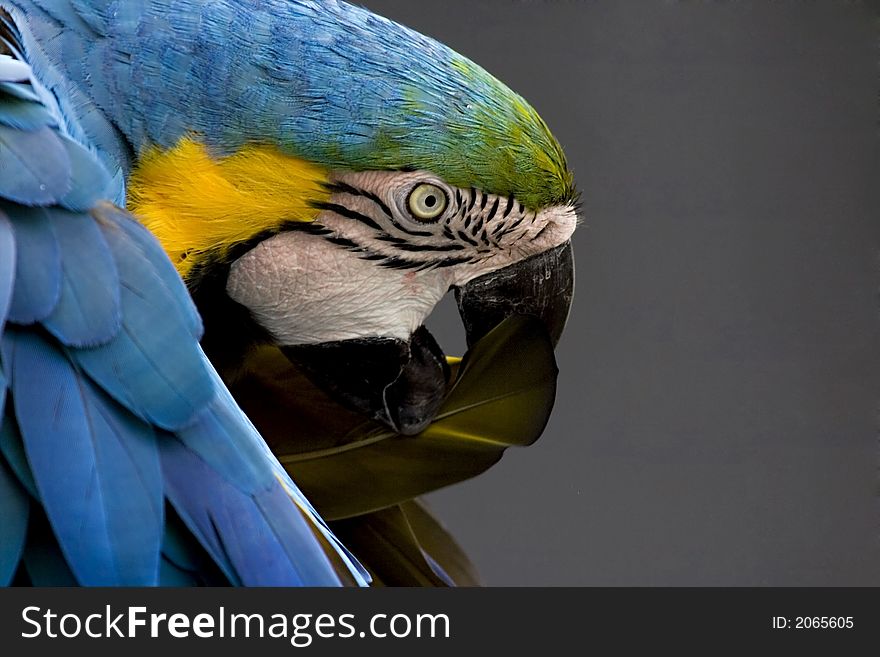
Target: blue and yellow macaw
{"type": "Point", "coordinates": [303, 181]}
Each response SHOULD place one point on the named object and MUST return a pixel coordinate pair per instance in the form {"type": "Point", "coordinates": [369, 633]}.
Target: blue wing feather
{"type": "Point", "coordinates": [146, 367]}
{"type": "Point", "coordinates": [234, 528]}
{"type": "Point", "coordinates": [187, 479]}
{"type": "Point", "coordinates": [88, 313]}
{"type": "Point", "coordinates": [253, 547]}
{"type": "Point", "coordinates": [160, 264]}
{"type": "Point", "coordinates": [37, 267]}
{"type": "Point", "coordinates": [37, 168]}
{"type": "Point", "coordinates": [272, 504]}
{"type": "Point", "coordinates": [139, 466]}
{"type": "Point", "coordinates": [106, 470]}
{"type": "Point", "coordinates": [88, 183]}
{"type": "Point", "coordinates": [244, 438]}
{"type": "Point", "coordinates": [236, 460]}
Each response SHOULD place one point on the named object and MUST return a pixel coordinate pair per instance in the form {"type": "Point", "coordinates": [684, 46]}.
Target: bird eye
{"type": "Point", "coordinates": [427, 202]}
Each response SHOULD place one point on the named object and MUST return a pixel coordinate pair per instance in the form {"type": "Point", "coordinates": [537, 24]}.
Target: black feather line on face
{"type": "Point", "coordinates": [391, 239]}
{"type": "Point", "coordinates": [472, 199]}
{"type": "Point", "coordinates": [430, 247]}
{"type": "Point", "coordinates": [346, 212]}
{"type": "Point", "coordinates": [508, 208]}
{"type": "Point", "coordinates": [404, 229]}
{"type": "Point", "coordinates": [516, 222]}
{"type": "Point", "coordinates": [491, 212]}
{"type": "Point", "coordinates": [467, 238]}
{"type": "Point", "coordinates": [389, 261]}
{"type": "Point", "coordinates": [399, 243]}
{"type": "Point", "coordinates": [356, 191]}
{"type": "Point", "coordinates": [351, 190]}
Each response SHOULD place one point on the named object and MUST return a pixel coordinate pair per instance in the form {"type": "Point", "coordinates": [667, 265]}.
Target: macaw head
{"type": "Point", "coordinates": [373, 171]}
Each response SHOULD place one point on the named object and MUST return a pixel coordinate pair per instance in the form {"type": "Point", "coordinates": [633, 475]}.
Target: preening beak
{"type": "Point", "coordinates": [403, 383]}
{"type": "Point", "coordinates": [541, 286]}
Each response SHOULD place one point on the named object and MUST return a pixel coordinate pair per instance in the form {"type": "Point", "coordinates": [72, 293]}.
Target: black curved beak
{"type": "Point", "coordinates": [541, 286]}
{"type": "Point", "coordinates": [403, 383]}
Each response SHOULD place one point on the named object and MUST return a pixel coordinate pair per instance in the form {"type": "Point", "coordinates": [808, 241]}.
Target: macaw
{"type": "Point", "coordinates": [302, 181]}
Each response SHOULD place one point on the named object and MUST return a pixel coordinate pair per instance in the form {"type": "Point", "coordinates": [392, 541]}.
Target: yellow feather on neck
{"type": "Point", "coordinates": [194, 203]}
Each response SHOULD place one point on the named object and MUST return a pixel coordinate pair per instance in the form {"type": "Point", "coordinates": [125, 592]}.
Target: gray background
{"type": "Point", "coordinates": [716, 421]}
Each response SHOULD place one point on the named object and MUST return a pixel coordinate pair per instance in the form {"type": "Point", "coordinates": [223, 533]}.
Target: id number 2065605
{"type": "Point", "coordinates": [813, 622]}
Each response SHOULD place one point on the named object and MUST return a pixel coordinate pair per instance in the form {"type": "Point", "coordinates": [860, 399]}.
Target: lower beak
{"type": "Point", "coordinates": [541, 286]}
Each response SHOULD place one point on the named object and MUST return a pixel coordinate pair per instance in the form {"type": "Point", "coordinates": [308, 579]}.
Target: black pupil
{"type": "Point", "coordinates": [431, 201]}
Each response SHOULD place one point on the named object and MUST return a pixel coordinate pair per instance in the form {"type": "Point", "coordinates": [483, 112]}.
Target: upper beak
{"type": "Point", "coordinates": [541, 286]}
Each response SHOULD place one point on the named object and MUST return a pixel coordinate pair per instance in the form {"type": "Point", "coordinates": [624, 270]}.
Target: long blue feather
{"type": "Point", "coordinates": [255, 450]}
{"type": "Point", "coordinates": [253, 547]}
{"type": "Point", "coordinates": [127, 461]}
{"type": "Point", "coordinates": [147, 367]}
{"type": "Point", "coordinates": [37, 267]}
{"type": "Point", "coordinates": [232, 525]}
{"type": "Point", "coordinates": [273, 504]}
{"type": "Point", "coordinates": [217, 437]}
{"type": "Point", "coordinates": [159, 261]}
{"type": "Point", "coordinates": [103, 492]}
{"type": "Point", "coordinates": [36, 166]}
{"type": "Point", "coordinates": [88, 312]}
{"type": "Point", "coordinates": [181, 549]}
{"type": "Point", "coordinates": [7, 280]}
{"type": "Point", "coordinates": [187, 482]}
{"type": "Point", "coordinates": [89, 178]}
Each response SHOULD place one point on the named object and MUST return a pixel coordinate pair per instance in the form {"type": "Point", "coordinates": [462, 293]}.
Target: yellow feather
{"type": "Point", "coordinates": [194, 203]}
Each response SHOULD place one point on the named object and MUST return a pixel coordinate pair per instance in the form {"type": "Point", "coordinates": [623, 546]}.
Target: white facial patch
{"type": "Point", "coordinates": [371, 266]}
{"type": "Point", "coordinates": [306, 290]}
{"type": "Point", "coordinates": [485, 231]}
